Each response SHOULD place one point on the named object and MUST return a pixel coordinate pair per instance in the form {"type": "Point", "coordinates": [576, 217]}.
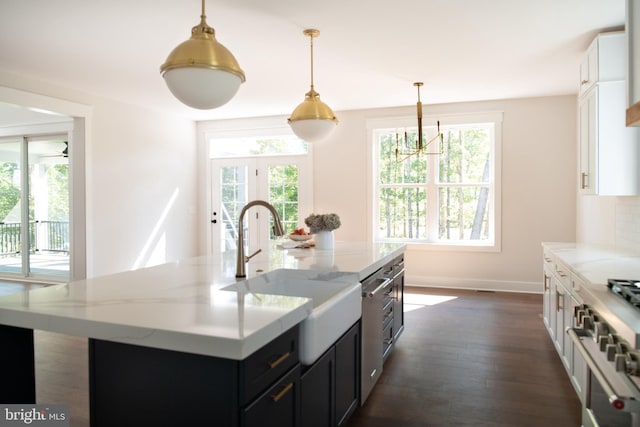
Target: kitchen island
{"type": "Point", "coordinates": [169, 345]}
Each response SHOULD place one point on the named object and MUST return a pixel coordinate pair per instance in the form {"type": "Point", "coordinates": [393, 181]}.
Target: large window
{"type": "Point", "coordinates": [446, 194]}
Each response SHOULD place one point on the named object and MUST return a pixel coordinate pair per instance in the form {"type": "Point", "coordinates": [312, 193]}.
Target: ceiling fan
{"type": "Point", "coordinates": [63, 153]}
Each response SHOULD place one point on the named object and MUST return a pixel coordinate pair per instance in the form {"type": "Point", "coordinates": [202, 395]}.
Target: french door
{"type": "Point", "coordinates": [34, 207]}
{"type": "Point", "coordinates": [283, 181]}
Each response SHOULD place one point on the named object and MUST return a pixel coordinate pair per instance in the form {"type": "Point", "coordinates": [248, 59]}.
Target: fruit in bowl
{"type": "Point", "coordinates": [300, 235]}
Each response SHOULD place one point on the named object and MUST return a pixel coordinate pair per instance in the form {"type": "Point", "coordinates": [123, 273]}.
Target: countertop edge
{"type": "Point", "coordinates": [208, 345]}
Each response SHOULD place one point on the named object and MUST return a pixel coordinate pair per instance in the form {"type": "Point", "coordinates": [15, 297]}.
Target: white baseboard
{"type": "Point", "coordinates": [473, 284]}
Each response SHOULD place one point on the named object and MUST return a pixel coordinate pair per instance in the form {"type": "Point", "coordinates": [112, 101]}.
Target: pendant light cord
{"type": "Point", "coordinates": [311, 44]}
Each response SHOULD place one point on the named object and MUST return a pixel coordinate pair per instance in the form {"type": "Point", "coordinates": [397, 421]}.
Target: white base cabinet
{"type": "Point", "coordinates": [560, 300]}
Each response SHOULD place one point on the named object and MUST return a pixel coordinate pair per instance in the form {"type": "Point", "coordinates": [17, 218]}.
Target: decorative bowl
{"type": "Point", "coordinates": [300, 237]}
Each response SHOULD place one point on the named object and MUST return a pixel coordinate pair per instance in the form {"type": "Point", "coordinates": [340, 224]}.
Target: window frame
{"type": "Point", "coordinates": [432, 186]}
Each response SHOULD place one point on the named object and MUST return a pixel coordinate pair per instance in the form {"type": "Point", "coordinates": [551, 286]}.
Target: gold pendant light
{"type": "Point", "coordinates": [201, 72]}
{"type": "Point", "coordinates": [312, 120]}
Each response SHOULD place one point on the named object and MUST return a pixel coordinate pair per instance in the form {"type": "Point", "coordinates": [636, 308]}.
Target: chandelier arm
{"type": "Point", "coordinates": [432, 140]}
{"type": "Point", "coordinates": [405, 158]}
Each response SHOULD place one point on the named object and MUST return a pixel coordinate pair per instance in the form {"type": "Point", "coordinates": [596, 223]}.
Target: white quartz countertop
{"type": "Point", "coordinates": [596, 264]}
{"type": "Point", "coordinates": [593, 266]}
{"type": "Point", "coordinates": [182, 306]}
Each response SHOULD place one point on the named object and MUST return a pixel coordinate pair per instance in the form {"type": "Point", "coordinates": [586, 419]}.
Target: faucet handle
{"type": "Point", "coordinates": [247, 258]}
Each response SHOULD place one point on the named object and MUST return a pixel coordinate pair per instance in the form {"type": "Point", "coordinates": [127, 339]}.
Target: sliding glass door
{"type": "Point", "coordinates": [34, 207]}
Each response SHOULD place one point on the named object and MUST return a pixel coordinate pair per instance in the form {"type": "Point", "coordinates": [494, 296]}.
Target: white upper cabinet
{"type": "Point", "coordinates": [633, 62]}
{"type": "Point", "coordinates": [609, 152]}
{"type": "Point", "coordinates": [604, 60]}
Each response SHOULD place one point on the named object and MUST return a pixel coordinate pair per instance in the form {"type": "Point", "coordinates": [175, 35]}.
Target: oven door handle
{"type": "Point", "coordinates": [626, 404]}
{"type": "Point", "coordinates": [382, 285]}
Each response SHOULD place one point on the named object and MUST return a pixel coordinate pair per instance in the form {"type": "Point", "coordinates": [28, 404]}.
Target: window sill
{"type": "Point", "coordinates": [449, 247]}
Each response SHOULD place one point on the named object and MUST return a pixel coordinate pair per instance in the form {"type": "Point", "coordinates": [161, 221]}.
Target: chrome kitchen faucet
{"type": "Point", "coordinates": [242, 259]}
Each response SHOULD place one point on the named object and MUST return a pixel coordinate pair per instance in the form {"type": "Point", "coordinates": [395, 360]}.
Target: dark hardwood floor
{"type": "Point", "coordinates": [477, 359]}
{"type": "Point", "coordinates": [466, 358]}
{"type": "Point", "coordinates": [62, 373]}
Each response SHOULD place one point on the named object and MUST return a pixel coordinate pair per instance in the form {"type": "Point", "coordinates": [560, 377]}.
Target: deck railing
{"type": "Point", "coordinates": [45, 236]}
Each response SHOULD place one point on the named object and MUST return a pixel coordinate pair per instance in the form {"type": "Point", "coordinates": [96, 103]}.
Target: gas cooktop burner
{"type": "Point", "coordinates": [627, 289]}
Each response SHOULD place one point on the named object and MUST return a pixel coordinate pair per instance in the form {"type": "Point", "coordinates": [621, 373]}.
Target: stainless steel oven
{"type": "Point", "coordinates": [375, 291]}
{"type": "Point", "coordinates": [612, 397]}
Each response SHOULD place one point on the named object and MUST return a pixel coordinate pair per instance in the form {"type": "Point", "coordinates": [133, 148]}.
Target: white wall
{"type": "Point", "coordinates": [144, 188]}
{"type": "Point", "coordinates": [538, 184]}
{"type": "Point", "coordinates": [141, 182]}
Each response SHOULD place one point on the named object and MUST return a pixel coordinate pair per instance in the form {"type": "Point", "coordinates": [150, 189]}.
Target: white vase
{"type": "Point", "coordinates": [324, 240]}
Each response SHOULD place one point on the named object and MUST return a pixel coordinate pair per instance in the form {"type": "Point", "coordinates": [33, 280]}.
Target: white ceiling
{"type": "Point", "coordinates": [368, 54]}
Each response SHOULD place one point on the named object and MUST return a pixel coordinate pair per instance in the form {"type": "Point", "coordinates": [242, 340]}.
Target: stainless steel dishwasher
{"type": "Point", "coordinates": [375, 289]}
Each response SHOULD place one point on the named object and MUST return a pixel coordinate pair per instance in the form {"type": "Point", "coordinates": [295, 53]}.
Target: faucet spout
{"type": "Point", "coordinates": [278, 230]}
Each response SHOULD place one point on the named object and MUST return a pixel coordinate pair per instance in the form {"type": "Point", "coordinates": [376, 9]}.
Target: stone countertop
{"type": "Point", "coordinates": [596, 264]}
{"type": "Point", "coordinates": [593, 265]}
{"type": "Point", "coordinates": [181, 306]}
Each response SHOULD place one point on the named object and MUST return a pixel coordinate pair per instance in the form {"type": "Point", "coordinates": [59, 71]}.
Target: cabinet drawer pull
{"type": "Point", "coordinates": [282, 392]}
{"type": "Point", "coordinates": [559, 301]}
{"type": "Point", "coordinates": [279, 360]}
{"type": "Point", "coordinates": [584, 82]}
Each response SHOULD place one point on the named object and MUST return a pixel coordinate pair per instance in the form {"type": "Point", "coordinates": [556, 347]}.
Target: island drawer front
{"type": "Point", "coordinates": [266, 365]}
{"type": "Point", "coordinates": [277, 406]}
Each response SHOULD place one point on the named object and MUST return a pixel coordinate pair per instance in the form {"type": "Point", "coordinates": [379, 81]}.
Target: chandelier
{"type": "Point", "coordinates": [406, 146]}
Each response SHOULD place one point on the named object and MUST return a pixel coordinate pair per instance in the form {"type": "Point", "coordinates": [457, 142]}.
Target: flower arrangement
{"type": "Point", "coordinates": [322, 222]}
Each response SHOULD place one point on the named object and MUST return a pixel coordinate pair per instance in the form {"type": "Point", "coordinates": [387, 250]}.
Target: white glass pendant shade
{"type": "Point", "coordinates": [313, 130]}
{"type": "Point", "coordinates": [201, 72]}
{"type": "Point", "coordinates": [202, 88]}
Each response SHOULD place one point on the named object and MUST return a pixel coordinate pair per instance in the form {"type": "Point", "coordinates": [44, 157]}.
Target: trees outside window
{"type": "Point", "coordinates": [277, 169]}
{"type": "Point", "coordinates": [446, 194]}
